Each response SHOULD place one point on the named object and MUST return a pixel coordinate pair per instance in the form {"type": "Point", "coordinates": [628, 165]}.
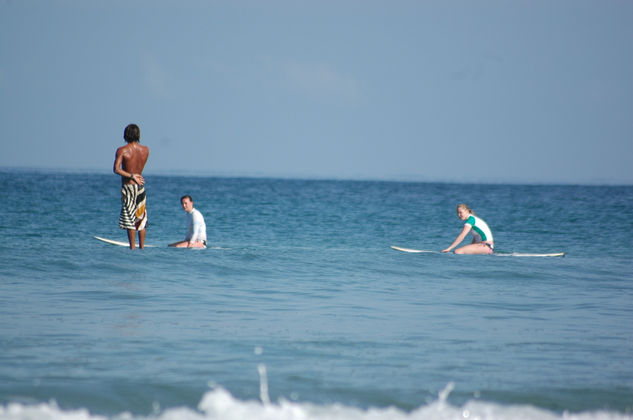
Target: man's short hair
{"type": "Point", "coordinates": [186, 196]}
{"type": "Point", "coordinates": [132, 133]}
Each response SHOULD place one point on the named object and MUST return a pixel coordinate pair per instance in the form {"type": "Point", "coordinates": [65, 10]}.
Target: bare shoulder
{"type": "Point", "coordinates": [121, 150]}
{"type": "Point", "coordinates": [143, 151]}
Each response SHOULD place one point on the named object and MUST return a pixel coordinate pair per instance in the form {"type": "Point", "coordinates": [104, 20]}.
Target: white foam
{"type": "Point", "coordinates": [16, 411]}
{"type": "Point", "coordinates": [219, 404]}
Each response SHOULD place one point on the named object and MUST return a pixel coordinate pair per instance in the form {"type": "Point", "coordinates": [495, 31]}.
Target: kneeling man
{"type": "Point", "coordinates": [197, 230]}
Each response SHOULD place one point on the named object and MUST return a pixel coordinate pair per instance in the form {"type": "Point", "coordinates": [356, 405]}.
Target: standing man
{"type": "Point", "coordinates": [197, 230]}
{"type": "Point", "coordinates": [129, 163]}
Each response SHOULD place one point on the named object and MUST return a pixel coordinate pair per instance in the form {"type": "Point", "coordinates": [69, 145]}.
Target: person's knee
{"type": "Point", "coordinates": [459, 251]}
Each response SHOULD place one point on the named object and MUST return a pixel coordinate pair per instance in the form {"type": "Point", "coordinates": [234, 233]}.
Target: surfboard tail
{"type": "Point", "coordinates": [531, 254]}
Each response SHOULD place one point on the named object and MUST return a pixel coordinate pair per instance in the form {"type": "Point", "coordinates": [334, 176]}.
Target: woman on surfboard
{"type": "Point", "coordinates": [483, 242]}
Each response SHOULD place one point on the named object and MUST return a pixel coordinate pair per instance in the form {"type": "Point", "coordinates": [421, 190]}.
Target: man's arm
{"type": "Point", "coordinates": [189, 230]}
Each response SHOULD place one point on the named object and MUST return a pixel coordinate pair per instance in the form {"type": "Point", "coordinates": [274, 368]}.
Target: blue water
{"type": "Point", "coordinates": [300, 301]}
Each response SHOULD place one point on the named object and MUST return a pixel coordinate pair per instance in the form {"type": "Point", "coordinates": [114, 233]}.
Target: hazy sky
{"type": "Point", "coordinates": [488, 91]}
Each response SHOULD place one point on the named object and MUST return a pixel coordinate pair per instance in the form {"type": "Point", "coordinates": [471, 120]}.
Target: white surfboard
{"type": "Point", "coordinates": [501, 254]}
{"type": "Point", "coordinates": [117, 243]}
{"type": "Point", "coordinates": [528, 254]}
{"type": "Point", "coordinates": [414, 251]}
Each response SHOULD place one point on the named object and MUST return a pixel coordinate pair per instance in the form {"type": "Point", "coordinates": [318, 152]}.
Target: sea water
{"type": "Point", "coordinates": [300, 309]}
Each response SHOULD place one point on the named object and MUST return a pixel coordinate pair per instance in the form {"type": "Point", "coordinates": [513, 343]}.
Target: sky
{"type": "Point", "coordinates": [537, 91]}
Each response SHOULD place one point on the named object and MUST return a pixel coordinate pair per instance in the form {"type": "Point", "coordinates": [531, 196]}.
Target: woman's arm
{"type": "Point", "coordinates": [459, 238]}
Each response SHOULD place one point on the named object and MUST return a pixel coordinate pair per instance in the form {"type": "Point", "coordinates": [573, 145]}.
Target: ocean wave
{"type": "Point", "coordinates": [219, 404]}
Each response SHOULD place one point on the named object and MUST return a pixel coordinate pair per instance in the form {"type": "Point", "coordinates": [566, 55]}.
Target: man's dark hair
{"type": "Point", "coordinates": [132, 133]}
{"type": "Point", "coordinates": [186, 196]}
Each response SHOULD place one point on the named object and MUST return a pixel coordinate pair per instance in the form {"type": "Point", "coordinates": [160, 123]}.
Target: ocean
{"type": "Point", "coordinates": [299, 308]}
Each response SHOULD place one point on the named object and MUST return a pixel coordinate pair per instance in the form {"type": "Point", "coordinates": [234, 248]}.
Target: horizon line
{"type": "Point", "coordinates": [414, 179]}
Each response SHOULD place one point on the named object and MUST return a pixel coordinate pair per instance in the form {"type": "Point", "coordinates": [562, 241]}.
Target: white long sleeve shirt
{"type": "Point", "coordinates": [197, 228]}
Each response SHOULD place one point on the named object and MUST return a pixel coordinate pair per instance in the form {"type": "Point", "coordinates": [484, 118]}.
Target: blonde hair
{"type": "Point", "coordinates": [465, 207]}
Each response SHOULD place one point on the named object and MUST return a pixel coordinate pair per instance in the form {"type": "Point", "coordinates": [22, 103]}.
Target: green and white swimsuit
{"type": "Point", "coordinates": [480, 230]}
